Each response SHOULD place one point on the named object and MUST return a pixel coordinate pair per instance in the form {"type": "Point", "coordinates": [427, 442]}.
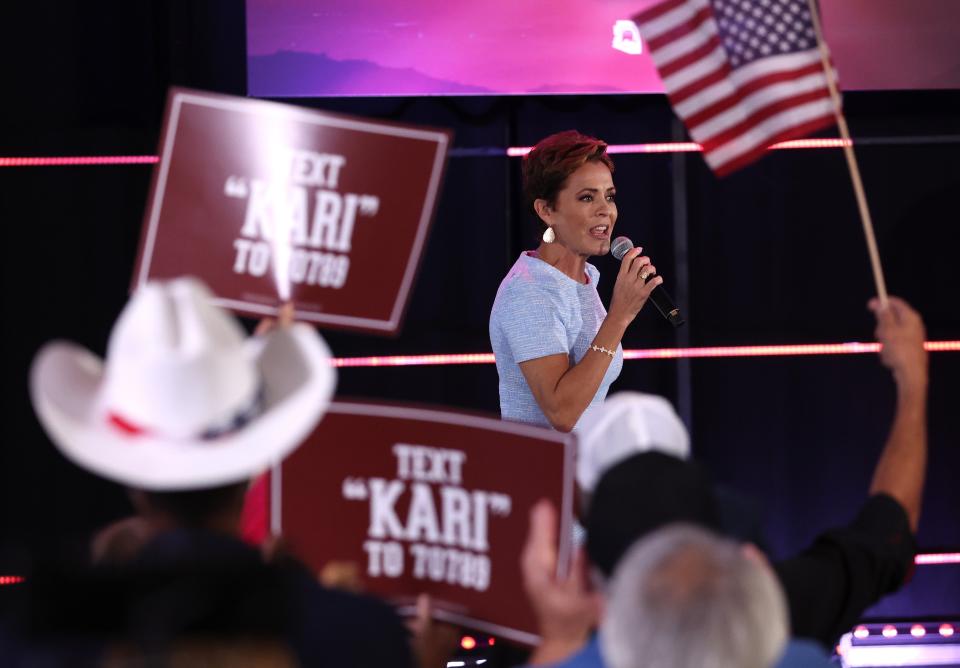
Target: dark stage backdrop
{"type": "Point", "coordinates": [773, 254]}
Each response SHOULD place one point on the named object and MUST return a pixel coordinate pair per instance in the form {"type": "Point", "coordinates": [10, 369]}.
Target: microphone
{"type": "Point", "coordinates": [664, 303]}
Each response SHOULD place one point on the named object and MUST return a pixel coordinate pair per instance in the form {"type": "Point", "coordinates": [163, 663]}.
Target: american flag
{"type": "Point", "coordinates": [741, 74]}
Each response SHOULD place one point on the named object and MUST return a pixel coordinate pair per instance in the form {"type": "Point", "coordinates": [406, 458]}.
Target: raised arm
{"type": "Point", "coordinates": [563, 391]}
{"type": "Point", "coordinates": [901, 468]}
{"type": "Point", "coordinates": [566, 609]}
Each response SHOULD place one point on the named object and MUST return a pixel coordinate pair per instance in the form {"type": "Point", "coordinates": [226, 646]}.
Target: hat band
{"type": "Point", "coordinates": [248, 412]}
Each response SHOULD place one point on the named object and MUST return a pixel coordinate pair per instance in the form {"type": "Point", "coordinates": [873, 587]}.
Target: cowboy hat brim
{"type": "Point", "coordinates": [66, 387]}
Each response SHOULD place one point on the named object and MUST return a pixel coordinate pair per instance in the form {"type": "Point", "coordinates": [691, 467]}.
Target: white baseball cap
{"type": "Point", "coordinates": [623, 425]}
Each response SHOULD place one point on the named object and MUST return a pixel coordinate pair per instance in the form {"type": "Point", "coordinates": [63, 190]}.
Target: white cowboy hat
{"type": "Point", "coordinates": [623, 425]}
{"type": "Point", "coordinates": [183, 400]}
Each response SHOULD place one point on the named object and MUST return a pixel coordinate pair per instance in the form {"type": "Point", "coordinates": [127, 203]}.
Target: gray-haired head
{"type": "Point", "coordinates": [685, 598]}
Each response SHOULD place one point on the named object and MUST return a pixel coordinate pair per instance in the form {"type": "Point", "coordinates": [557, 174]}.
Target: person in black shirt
{"type": "Point", "coordinates": [829, 584]}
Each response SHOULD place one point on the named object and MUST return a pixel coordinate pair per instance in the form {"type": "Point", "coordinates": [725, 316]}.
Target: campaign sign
{"type": "Point", "coordinates": [426, 501]}
{"type": "Point", "coordinates": [269, 203]}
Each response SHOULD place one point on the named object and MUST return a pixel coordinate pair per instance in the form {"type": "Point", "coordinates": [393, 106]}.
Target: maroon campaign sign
{"type": "Point", "coordinates": [426, 501]}
{"type": "Point", "coordinates": [270, 203]}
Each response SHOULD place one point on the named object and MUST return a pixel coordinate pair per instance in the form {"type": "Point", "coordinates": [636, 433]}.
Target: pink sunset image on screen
{"type": "Point", "coordinates": [301, 48]}
{"type": "Point", "coordinates": [439, 47]}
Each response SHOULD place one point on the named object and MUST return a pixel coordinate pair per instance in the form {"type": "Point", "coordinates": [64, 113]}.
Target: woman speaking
{"type": "Point", "coordinates": [557, 349]}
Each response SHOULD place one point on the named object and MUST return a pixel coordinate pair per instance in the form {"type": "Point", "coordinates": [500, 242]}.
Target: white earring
{"type": "Point", "coordinates": [549, 236]}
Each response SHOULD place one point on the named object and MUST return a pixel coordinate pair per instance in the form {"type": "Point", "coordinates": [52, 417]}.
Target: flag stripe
{"type": "Point", "coordinates": [690, 25]}
{"type": "Point", "coordinates": [790, 133]}
{"type": "Point", "coordinates": [759, 93]}
{"type": "Point", "coordinates": [705, 65]}
{"type": "Point", "coordinates": [650, 14]}
{"type": "Point", "coordinates": [718, 82]}
{"type": "Point", "coordinates": [654, 28]}
{"type": "Point", "coordinates": [747, 78]}
{"type": "Point", "coordinates": [791, 61]}
{"type": "Point", "coordinates": [768, 130]}
{"type": "Point", "coordinates": [720, 136]}
{"type": "Point", "coordinates": [670, 52]}
{"type": "Point", "coordinates": [683, 61]}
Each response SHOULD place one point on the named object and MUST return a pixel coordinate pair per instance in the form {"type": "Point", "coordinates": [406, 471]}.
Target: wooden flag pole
{"type": "Point", "coordinates": [851, 160]}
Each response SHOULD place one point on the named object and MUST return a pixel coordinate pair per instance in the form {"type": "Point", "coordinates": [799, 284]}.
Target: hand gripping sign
{"type": "Point", "coordinates": [427, 501]}
{"type": "Point", "coordinates": [269, 203]}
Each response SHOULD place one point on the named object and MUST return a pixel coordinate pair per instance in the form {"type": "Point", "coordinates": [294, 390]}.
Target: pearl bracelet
{"type": "Point", "coordinates": [601, 349]}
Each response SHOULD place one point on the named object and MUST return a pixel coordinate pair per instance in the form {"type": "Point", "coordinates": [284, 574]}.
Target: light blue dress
{"type": "Point", "coordinates": [541, 311]}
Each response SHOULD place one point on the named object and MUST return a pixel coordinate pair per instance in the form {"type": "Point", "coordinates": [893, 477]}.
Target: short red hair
{"type": "Point", "coordinates": [550, 163]}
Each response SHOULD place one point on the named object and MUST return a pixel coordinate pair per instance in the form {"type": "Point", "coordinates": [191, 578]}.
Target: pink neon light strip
{"type": "Point", "coordinates": [10, 579]}
{"type": "Point", "coordinates": [662, 147]}
{"type": "Point", "coordinates": [415, 360]}
{"type": "Point", "coordinates": [693, 147]}
{"type": "Point", "coordinates": [755, 351]}
{"type": "Point", "coordinates": [651, 353]}
{"type": "Point", "coordinates": [813, 143]}
{"type": "Point", "coordinates": [513, 151]}
{"type": "Point", "coordinates": [937, 559]}
{"type": "Point", "coordinates": [65, 161]}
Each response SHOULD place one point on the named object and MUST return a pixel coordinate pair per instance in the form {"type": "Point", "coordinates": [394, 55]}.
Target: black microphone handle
{"type": "Point", "coordinates": [664, 303]}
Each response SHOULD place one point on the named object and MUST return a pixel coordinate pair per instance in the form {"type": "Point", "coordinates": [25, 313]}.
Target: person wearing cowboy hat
{"type": "Point", "coordinates": [184, 411]}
